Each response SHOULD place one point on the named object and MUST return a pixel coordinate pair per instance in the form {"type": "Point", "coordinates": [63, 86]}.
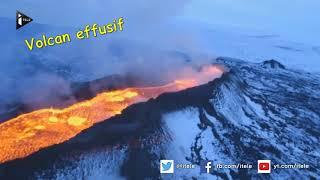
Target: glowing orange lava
{"type": "Point", "coordinates": [27, 133]}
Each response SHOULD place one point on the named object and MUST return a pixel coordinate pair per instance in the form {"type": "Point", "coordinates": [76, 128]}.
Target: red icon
{"type": "Point", "coordinates": [264, 166]}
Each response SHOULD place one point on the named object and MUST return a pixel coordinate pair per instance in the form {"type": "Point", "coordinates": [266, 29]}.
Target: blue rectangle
{"type": "Point", "coordinates": [206, 166]}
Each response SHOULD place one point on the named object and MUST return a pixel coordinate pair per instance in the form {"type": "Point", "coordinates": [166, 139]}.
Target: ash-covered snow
{"type": "Point", "coordinates": [95, 165]}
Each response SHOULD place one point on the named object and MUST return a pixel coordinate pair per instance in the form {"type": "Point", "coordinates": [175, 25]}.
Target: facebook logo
{"type": "Point", "coordinates": [206, 166]}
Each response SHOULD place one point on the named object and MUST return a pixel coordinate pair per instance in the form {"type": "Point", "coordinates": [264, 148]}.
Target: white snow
{"type": "Point", "coordinates": [182, 127]}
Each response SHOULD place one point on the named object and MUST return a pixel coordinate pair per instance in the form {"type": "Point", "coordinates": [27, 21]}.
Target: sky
{"type": "Point", "coordinates": [297, 20]}
{"type": "Point", "coordinates": [294, 19]}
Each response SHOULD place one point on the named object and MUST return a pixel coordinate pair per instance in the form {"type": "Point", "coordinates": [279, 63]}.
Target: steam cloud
{"type": "Point", "coordinates": [152, 45]}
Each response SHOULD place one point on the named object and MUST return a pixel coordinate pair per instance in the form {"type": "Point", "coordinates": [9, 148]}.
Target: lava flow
{"type": "Point", "coordinates": [27, 133]}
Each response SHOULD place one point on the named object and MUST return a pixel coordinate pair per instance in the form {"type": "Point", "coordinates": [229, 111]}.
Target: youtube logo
{"type": "Point", "coordinates": [264, 166]}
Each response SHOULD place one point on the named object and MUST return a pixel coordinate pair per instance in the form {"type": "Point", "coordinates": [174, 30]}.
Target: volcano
{"type": "Point", "coordinates": [32, 131]}
{"type": "Point", "coordinates": [253, 111]}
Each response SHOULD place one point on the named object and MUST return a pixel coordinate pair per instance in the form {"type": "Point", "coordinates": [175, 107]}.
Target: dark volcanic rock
{"type": "Point", "coordinates": [273, 64]}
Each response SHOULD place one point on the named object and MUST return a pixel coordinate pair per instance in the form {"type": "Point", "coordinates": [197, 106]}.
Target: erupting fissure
{"type": "Point", "coordinates": [27, 133]}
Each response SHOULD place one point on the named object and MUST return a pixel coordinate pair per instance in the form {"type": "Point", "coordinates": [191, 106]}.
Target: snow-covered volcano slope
{"type": "Point", "coordinates": [261, 111]}
{"type": "Point", "coordinates": [254, 111]}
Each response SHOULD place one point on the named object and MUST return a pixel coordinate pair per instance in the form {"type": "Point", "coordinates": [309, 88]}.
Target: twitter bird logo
{"type": "Point", "coordinates": [166, 166]}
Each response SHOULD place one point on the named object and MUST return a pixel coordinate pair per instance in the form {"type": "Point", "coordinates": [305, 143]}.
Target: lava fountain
{"type": "Point", "coordinates": [30, 132]}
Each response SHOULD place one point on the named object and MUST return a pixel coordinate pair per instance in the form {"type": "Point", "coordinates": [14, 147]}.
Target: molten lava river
{"type": "Point", "coordinates": [27, 133]}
